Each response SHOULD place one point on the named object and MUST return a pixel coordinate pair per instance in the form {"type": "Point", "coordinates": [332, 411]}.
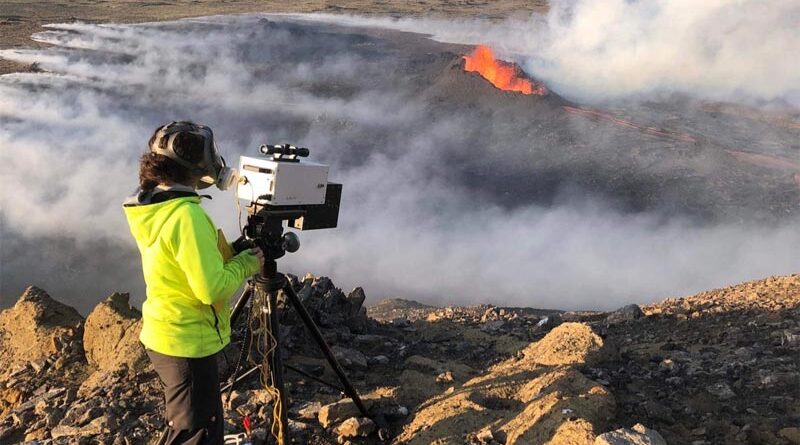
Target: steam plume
{"type": "Point", "coordinates": [609, 49]}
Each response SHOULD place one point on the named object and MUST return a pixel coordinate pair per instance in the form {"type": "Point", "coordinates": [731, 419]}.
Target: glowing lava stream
{"type": "Point", "coordinates": [600, 116]}
{"type": "Point", "coordinates": [504, 75]}
{"type": "Point", "coordinates": [509, 77]}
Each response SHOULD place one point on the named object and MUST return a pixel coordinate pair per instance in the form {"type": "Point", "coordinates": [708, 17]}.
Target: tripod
{"type": "Point", "coordinates": [265, 228]}
{"type": "Point", "coordinates": [268, 284]}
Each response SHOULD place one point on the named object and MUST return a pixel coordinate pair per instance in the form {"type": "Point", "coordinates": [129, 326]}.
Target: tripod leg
{"type": "Point", "coordinates": [162, 439]}
{"type": "Point", "coordinates": [238, 379]}
{"type": "Point", "coordinates": [241, 303]}
{"type": "Point", "coordinates": [326, 350]}
{"type": "Point", "coordinates": [276, 364]}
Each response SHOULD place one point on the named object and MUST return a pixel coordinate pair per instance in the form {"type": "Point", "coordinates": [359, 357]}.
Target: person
{"type": "Point", "coordinates": [185, 317]}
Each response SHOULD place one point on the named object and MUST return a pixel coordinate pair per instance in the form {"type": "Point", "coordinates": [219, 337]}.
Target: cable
{"type": "Point", "coordinates": [242, 180]}
{"type": "Point", "coordinates": [265, 337]}
{"type": "Point", "coordinates": [238, 214]}
{"type": "Point", "coordinates": [243, 352]}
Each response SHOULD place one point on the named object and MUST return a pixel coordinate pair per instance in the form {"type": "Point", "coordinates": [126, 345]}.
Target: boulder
{"type": "Point", "coordinates": [358, 323]}
{"type": "Point", "coordinates": [549, 322]}
{"type": "Point", "coordinates": [329, 306]}
{"type": "Point", "coordinates": [356, 299]}
{"type": "Point", "coordinates": [722, 390]}
{"type": "Point", "coordinates": [336, 412]}
{"type": "Point", "coordinates": [309, 411]}
{"type": "Point", "coordinates": [111, 335]}
{"type": "Point", "coordinates": [36, 327]}
{"type": "Point", "coordinates": [792, 434]}
{"type": "Point", "coordinates": [355, 427]}
{"type": "Point", "coordinates": [349, 358]}
{"type": "Point", "coordinates": [628, 312]}
{"type": "Point", "coordinates": [638, 435]}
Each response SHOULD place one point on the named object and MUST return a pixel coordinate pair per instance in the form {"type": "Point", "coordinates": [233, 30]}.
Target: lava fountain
{"type": "Point", "coordinates": [504, 75]}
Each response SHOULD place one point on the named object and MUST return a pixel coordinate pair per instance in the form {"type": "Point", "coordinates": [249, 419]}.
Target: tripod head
{"type": "Point", "coordinates": [265, 230]}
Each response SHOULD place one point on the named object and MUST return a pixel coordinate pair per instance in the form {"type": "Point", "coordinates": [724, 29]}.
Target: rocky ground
{"type": "Point", "coordinates": [721, 367]}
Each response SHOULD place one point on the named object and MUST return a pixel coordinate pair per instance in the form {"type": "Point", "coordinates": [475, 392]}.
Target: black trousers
{"type": "Point", "coordinates": [193, 402]}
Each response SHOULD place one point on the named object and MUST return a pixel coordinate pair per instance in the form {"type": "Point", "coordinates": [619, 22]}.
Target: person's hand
{"type": "Point", "coordinates": [259, 254]}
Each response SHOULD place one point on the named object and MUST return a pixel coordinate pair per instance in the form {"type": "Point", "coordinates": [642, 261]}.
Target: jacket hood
{"type": "Point", "coordinates": [146, 220]}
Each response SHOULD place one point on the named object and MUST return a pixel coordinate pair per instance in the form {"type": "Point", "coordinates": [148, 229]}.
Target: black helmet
{"type": "Point", "coordinates": [211, 165]}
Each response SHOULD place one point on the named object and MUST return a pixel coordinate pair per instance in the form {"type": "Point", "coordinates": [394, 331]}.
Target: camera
{"type": "Point", "coordinates": [278, 188]}
{"type": "Point", "coordinates": [280, 185]}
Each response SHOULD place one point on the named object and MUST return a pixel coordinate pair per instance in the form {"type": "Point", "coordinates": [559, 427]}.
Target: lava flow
{"type": "Point", "coordinates": [504, 75]}
{"type": "Point", "coordinates": [600, 116]}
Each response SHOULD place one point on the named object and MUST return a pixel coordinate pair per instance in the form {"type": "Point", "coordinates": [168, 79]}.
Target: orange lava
{"type": "Point", "coordinates": [504, 75]}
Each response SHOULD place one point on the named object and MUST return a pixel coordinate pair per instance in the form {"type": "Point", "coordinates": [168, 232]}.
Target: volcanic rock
{"type": "Point", "coordinates": [98, 426]}
{"type": "Point", "coordinates": [378, 360]}
{"type": "Point", "coordinates": [722, 390]}
{"type": "Point", "coordinates": [349, 358]}
{"type": "Point", "coordinates": [549, 322]}
{"type": "Point", "coordinates": [36, 327]}
{"type": "Point", "coordinates": [329, 306]}
{"type": "Point", "coordinates": [111, 335]}
{"type": "Point", "coordinates": [310, 411]}
{"type": "Point", "coordinates": [792, 434]}
{"type": "Point", "coordinates": [355, 427]}
{"type": "Point", "coordinates": [465, 384]}
{"type": "Point", "coordinates": [638, 435]}
{"type": "Point", "coordinates": [456, 371]}
{"type": "Point", "coordinates": [445, 377]}
{"type": "Point", "coordinates": [625, 313]}
{"type": "Point", "coordinates": [392, 308]}
{"type": "Point", "coordinates": [570, 343]}
{"type": "Point", "coordinates": [711, 368]}
{"type": "Point", "coordinates": [658, 411]}
{"type": "Point", "coordinates": [356, 299]}
{"type": "Point", "coordinates": [336, 412]}
{"type": "Point", "coordinates": [485, 436]}
{"type": "Point", "coordinates": [416, 387]}
{"type": "Point", "coordinates": [529, 401]}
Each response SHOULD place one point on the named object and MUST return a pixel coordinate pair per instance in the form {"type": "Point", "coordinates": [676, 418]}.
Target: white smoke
{"type": "Point", "coordinates": [70, 139]}
{"type": "Point", "coordinates": [607, 49]}
{"type": "Point", "coordinates": [722, 49]}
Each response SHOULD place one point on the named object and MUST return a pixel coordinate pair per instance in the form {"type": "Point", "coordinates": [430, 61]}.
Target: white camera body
{"type": "Point", "coordinates": [281, 183]}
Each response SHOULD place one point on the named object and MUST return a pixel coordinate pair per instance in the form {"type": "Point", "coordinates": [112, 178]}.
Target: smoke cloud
{"type": "Point", "coordinates": [414, 222]}
{"type": "Point", "coordinates": [593, 50]}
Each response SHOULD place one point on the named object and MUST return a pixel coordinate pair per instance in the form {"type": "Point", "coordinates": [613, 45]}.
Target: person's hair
{"type": "Point", "coordinates": [157, 169]}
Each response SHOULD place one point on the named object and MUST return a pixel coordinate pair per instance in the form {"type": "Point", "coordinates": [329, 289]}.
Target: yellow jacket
{"type": "Point", "coordinates": [186, 312]}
